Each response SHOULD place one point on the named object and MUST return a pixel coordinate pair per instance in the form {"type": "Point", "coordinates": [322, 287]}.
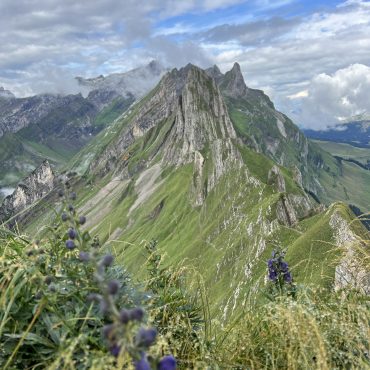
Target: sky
{"type": "Point", "coordinates": [311, 57]}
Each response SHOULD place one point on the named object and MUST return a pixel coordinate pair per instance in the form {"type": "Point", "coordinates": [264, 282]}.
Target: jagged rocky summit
{"type": "Point", "coordinates": [34, 187]}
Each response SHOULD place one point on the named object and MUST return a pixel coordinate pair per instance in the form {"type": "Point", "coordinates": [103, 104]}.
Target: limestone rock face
{"type": "Point", "coordinates": [275, 177]}
{"type": "Point", "coordinates": [34, 187]}
{"type": "Point", "coordinates": [349, 272]}
{"type": "Point", "coordinates": [297, 176]}
{"type": "Point", "coordinates": [290, 207]}
{"type": "Point", "coordinates": [189, 104]}
{"type": "Point", "coordinates": [234, 83]}
{"type": "Point", "coordinates": [215, 73]}
{"type": "Point", "coordinates": [285, 212]}
{"type": "Point", "coordinates": [200, 118]}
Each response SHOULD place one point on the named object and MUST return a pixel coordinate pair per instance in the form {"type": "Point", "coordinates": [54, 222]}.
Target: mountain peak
{"type": "Point", "coordinates": [233, 83]}
{"type": "Point", "coordinates": [155, 66]}
{"type": "Point", "coordinates": [6, 93]}
{"type": "Point", "coordinates": [236, 67]}
{"type": "Point", "coordinates": [215, 73]}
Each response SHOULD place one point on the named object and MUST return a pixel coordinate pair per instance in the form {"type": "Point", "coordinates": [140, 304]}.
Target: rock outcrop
{"type": "Point", "coordinates": [349, 272]}
{"type": "Point", "coordinates": [276, 178]}
{"type": "Point", "coordinates": [33, 188]}
{"type": "Point", "coordinates": [233, 82]}
{"type": "Point", "coordinates": [291, 207]}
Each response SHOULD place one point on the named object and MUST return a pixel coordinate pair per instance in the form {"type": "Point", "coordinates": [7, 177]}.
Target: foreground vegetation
{"type": "Point", "coordinates": [65, 304]}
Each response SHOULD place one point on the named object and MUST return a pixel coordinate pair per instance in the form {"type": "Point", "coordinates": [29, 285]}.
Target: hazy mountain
{"type": "Point", "coordinates": [136, 82]}
{"type": "Point", "coordinates": [6, 94]}
{"type": "Point", "coordinates": [56, 127]}
{"type": "Point", "coordinates": [355, 132]}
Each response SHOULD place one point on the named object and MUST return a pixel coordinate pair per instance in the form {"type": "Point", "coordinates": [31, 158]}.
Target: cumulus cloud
{"type": "Point", "coordinates": [331, 98]}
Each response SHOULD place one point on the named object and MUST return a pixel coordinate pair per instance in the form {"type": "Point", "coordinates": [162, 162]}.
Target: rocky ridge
{"type": "Point", "coordinates": [188, 113]}
{"type": "Point", "coordinates": [33, 188]}
{"type": "Point", "coordinates": [349, 272]}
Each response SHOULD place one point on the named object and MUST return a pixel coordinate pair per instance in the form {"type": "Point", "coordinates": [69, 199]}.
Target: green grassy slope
{"type": "Point", "coordinates": [337, 180]}
{"type": "Point", "coordinates": [226, 241]}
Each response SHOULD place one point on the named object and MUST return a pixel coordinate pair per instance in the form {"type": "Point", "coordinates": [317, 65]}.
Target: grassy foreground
{"type": "Point", "coordinates": [63, 305]}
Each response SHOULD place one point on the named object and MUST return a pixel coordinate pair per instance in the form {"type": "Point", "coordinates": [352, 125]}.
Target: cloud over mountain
{"type": "Point", "coordinates": [280, 45]}
{"type": "Point", "coordinates": [330, 99]}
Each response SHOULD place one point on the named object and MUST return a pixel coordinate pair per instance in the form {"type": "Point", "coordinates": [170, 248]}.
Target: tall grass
{"type": "Point", "coordinates": [51, 324]}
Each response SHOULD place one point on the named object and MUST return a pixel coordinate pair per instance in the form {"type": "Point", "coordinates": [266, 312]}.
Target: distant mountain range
{"type": "Point", "coordinates": [355, 132]}
{"type": "Point", "coordinates": [55, 127]}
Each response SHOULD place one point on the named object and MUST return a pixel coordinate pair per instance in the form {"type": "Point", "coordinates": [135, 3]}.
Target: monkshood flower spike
{"type": "Point", "coordinates": [124, 331]}
{"type": "Point", "coordinates": [278, 273]}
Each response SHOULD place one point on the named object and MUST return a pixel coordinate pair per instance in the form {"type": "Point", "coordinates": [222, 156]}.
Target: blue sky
{"type": "Point", "coordinates": [311, 57]}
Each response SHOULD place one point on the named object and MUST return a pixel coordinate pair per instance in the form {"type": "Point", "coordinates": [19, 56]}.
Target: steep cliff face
{"type": "Point", "coordinates": [260, 124]}
{"type": "Point", "coordinates": [268, 131]}
{"type": "Point", "coordinates": [188, 114]}
{"type": "Point", "coordinates": [33, 188]}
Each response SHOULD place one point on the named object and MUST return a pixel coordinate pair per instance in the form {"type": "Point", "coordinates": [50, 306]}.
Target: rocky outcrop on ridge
{"type": "Point", "coordinates": [33, 188]}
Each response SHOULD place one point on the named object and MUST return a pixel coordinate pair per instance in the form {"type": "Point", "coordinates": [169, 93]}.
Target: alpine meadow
{"type": "Point", "coordinates": [184, 185]}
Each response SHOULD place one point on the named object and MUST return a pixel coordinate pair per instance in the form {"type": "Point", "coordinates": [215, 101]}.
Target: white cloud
{"type": "Point", "coordinates": [330, 98]}
{"type": "Point", "coordinates": [44, 44]}
{"type": "Point", "coordinates": [299, 95]}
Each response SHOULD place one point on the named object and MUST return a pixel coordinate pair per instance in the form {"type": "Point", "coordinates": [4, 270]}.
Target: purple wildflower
{"type": "Point", "coordinates": [167, 363]}
{"type": "Point", "coordinates": [142, 364]}
{"type": "Point", "coordinates": [84, 256]}
{"type": "Point", "coordinates": [72, 233]}
{"type": "Point", "coordinates": [124, 316]}
{"type": "Point", "coordinates": [70, 244]}
{"type": "Point", "coordinates": [288, 277]}
{"type": "Point", "coordinates": [113, 287]}
{"type": "Point", "coordinates": [107, 260]}
{"type": "Point", "coordinates": [137, 314]}
{"type": "Point", "coordinates": [82, 220]}
{"type": "Point", "coordinates": [115, 350]}
{"type": "Point", "coordinates": [146, 337]}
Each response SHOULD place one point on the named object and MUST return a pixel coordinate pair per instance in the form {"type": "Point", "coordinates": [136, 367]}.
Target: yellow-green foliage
{"type": "Point", "coordinates": [311, 332]}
